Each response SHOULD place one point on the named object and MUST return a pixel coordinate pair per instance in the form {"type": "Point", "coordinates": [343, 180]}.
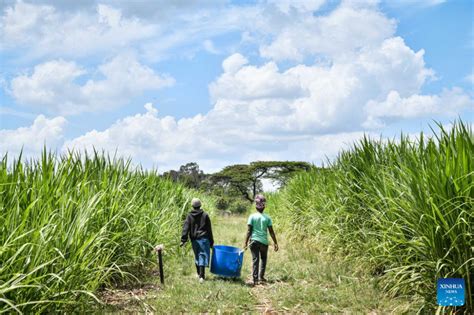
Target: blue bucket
{"type": "Point", "coordinates": [226, 261]}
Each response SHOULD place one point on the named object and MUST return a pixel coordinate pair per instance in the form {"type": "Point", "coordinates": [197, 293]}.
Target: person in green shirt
{"type": "Point", "coordinates": [258, 224]}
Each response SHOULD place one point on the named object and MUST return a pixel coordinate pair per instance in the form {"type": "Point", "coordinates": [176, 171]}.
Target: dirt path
{"type": "Point", "coordinates": [302, 278]}
{"type": "Point", "coordinates": [225, 229]}
{"type": "Point", "coordinates": [265, 305]}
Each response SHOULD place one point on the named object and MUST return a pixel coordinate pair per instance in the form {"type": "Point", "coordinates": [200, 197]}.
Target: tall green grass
{"type": "Point", "coordinates": [73, 224]}
{"type": "Point", "coordinates": [403, 207]}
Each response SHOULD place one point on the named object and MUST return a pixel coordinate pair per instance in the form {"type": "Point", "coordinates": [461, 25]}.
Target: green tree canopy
{"type": "Point", "coordinates": [189, 174]}
{"type": "Point", "coordinates": [246, 179]}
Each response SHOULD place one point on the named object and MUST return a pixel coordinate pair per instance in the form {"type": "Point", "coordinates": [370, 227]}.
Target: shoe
{"type": "Point", "coordinates": [201, 280]}
{"type": "Point", "coordinates": [202, 272]}
{"type": "Point", "coordinates": [262, 280]}
{"type": "Point", "coordinates": [250, 283]}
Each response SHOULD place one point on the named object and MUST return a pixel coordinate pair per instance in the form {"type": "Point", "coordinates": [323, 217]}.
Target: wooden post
{"type": "Point", "coordinates": [159, 250]}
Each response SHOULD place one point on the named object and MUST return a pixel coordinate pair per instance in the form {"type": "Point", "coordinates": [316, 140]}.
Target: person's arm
{"type": "Point", "coordinates": [184, 234]}
{"type": "Point", "coordinates": [209, 230]}
{"type": "Point", "coordinates": [249, 231]}
{"type": "Point", "coordinates": [272, 234]}
{"type": "Point", "coordinates": [247, 237]}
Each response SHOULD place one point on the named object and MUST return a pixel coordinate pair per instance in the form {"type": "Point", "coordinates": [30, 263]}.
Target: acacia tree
{"type": "Point", "coordinates": [236, 178]}
{"type": "Point", "coordinates": [277, 171]}
{"type": "Point", "coordinates": [246, 179]}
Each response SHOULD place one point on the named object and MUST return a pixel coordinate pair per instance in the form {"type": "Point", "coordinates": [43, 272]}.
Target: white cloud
{"type": "Point", "coordinates": [326, 147]}
{"type": "Point", "coordinates": [147, 137]}
{"type": "Point", "coordinates": [43, 131]}
{"type": "Point", "coordinates": [306, 112]}
{"type": "Point", "coordinates": [356, 74]}
{"type": "Point", "coordinates": [46, 31]}
{"type": "Point", "coordinates": [317, 98]}
{"type": "Point", "coordinates": [395, 65]}
{"type": "Point", "coordinates": [157, 30]}
{"type": "Point", "coordinates": [54, 86]}
{"type": "Point", "coordinates": [167, 143]}
{"type": "Point", "coordinates": [344, 30]}
{"type": "Point", "coordinates": [234, 62]}
{"type": "Point", "coordinates": [449, 103]}
{"type": "Point", "coordinates": [251, 82]}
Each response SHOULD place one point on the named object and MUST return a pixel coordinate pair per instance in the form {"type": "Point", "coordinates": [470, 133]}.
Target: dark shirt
{"type": "Point", "coordinates": [197, 225]}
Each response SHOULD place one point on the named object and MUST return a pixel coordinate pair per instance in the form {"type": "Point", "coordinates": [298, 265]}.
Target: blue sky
{"type": "Point", "coordinates": [220, 82]}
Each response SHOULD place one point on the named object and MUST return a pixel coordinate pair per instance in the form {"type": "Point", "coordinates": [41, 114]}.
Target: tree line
{"type": "Point", "coordinates": [236, 185]}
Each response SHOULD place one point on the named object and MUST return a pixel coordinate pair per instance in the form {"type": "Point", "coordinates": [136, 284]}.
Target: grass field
{"type": "Point", "coordinates": [369, 234]}
{"type": "Point", "coordinates": [403, 209]}
{"type": "Point", "coordinates": [72, 225]}
{"type": "Point", "coordinates": [303, 278]}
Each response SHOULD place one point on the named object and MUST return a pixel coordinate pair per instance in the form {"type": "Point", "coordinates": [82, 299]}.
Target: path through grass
{"type": "Point", "coordinates": [302, 278]}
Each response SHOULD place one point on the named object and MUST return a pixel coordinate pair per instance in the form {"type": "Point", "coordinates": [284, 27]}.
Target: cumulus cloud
{"type": "Point", "coordinates": [307, 112]}
{"type": "Point", "coordinates": [357, 74]}
{"type": "Point", "coordinates": [449, 103]}
{"type": "Point", "coordinates": [63, 33]}
{"type": "Point", "coordinates": [251, 82]}
{"type": "Point", "coordinates": [54, 85]}
{"type": "Point", "coordinates": [316, 98]}
{"type": "Point", "coordinates": [344, 30]}
{"type": "Point", "coordinates": [44, 131]}
{"type": "Point", "coordinates": [234, 62]}
{"type": "Point", "coordinates": [150, 138]}
{"type": "Point", "coordinates": [325, 148]}
{"type": "Point", "coordinates": [167, 143]}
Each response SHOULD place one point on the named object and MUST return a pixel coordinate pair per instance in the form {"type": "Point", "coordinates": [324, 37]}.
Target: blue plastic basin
{"type": "Point", "coordinates": [226, 261]}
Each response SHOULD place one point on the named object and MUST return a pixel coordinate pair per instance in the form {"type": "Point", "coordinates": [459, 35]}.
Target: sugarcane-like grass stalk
{"type": "Point", "coordinates": [73, 224]}
{"type": "Point", "coordinates": [405, 206]}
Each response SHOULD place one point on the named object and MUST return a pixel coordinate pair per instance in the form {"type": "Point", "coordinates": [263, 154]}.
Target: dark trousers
{"type": "Point", "coordinates": [258, 250]}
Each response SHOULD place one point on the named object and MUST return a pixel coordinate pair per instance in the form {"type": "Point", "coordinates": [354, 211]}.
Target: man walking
{"type": "Point", "coordinates": [258, 224]}
{"type": "Point", "coordinates": [197, 227]}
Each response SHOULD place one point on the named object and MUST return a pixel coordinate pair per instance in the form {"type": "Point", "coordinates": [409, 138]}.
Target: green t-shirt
{"type": "Point", "coordinates": [260, 223]}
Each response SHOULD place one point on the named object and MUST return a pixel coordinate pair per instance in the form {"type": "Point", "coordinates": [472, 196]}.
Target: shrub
{"type": "Point", "coordinates": [222, 203]}
{"type": "Point", "coordinates": [239, 206]}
